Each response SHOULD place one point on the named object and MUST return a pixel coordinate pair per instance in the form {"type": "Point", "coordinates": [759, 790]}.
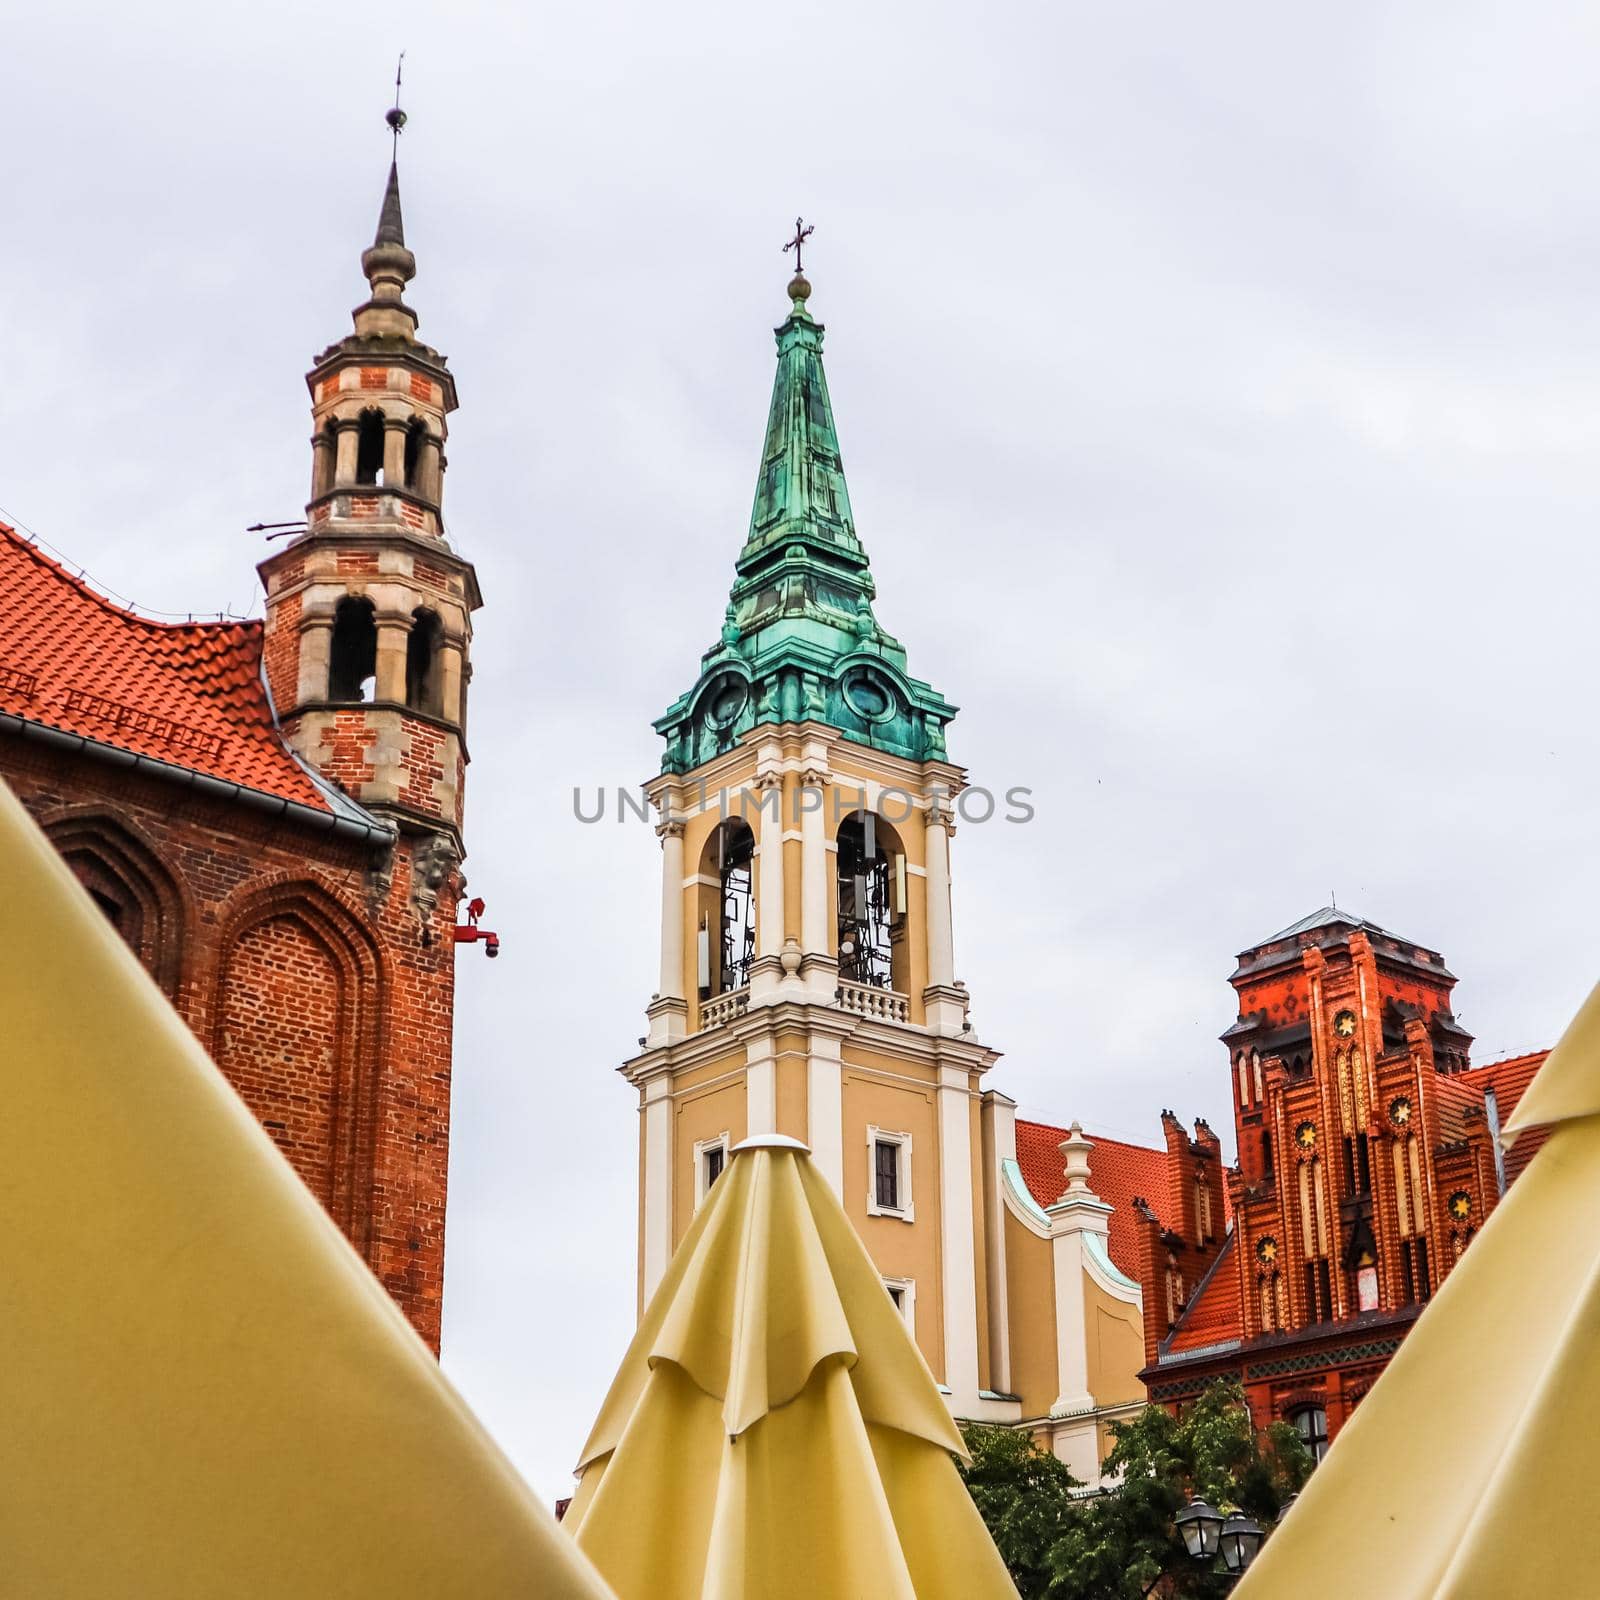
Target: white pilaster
{"type": "Point", "coordinates": [657, 1181]}
{"type": "Point", "coordinates": [955, 1229]}
{"type": "Point", "coordinates": [944, 1005]}
{"type": "Point", "coordinates": [999, 1125]}
{"type": "Point", "coordinates": [825, 1108]}
{"type": "Point", "coordinates": [761, 1085]}
{"type": "Point", "coordinates": [941, 937]}
{"type": "Point", "coordinates": [669, 1011]}
{"type": "Point", "coordinates": [1078, 1211]}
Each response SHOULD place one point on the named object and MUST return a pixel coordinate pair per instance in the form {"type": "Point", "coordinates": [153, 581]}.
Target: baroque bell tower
{"type": "Point", "coordinates": [369, 611]}
{"type": "Point", "coordinates": [807, 982]}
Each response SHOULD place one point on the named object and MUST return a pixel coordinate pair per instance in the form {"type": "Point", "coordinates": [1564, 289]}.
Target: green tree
{"type": "Point", "coordinates": [1023, 1494]}
{"type": "Point", "coordinates": [1122, 1545]}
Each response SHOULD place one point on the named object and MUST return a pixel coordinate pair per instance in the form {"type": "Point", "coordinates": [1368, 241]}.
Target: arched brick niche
{"type": "Point", "coordinates": [295, 1018]}
{"type": "Point", "coordinates": [138, 893]}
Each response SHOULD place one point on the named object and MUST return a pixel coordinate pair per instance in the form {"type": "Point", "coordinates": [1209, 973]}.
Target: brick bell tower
{"type": "Point", "coordinates": [366, 651]}
{"type": "Point", "coordinates": [369, 612]}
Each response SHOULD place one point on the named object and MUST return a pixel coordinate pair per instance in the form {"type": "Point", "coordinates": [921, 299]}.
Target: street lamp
{"type": "Point", "coordinates": [1240, 1539]}
{"type": "Point", "coordinates": [1201, 1528]}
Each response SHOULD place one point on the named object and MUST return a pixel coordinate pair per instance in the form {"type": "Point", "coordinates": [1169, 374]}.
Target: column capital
{"type": "Point", "coordinates": [941, 814]}
{"type": "Point", "coordinates": [669, 828]}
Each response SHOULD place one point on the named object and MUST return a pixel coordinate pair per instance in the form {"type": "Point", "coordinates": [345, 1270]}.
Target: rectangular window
{"type": "Point", "coordinates": [710, 1162]}
{"type": "Point", "coordinates": [889, 1186]}
{"type": "Point", "coordinates": [1325, 1283]}
{"type": "Point", "coordinates": [886, 1171]}
{"type": "Point", "coordinates": [903, 1293]}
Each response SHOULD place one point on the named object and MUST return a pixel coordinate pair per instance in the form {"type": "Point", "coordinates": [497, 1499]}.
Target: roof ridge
{"type": "Point", "coordinates": [1088, 1133]}
{"type": "Point", "coordinates": [58, 569]}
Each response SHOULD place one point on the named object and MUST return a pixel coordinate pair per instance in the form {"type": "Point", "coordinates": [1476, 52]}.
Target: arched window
{"type": "Point", "coordinates": [353, 654]}
{"type": "Point", "coordinates": [1266, 1155]}
{"type": "Point", "coordinates": [416, 434]}
{"type": "Point", "coordinates": [727, 909]}
{"type": "Point", "coordinates": [1202, 1209]}
{"type": "Point", "coordinates": [1174, 1291]}
{"type": "Point", "coordinates": [872, 903]}
{"type": "Point", "coordinates": [1311, 1423]}
{"type": "Point", "coordinates": [1255, 1072]}
{"type": "Point", "coordinates": [1244, 1079]}
{"type": "Point", "coordinates": [422, 663]}
{"type": "Point", "coordinates": [369, 448]}
{"type": "Point", "coordinates": [131, 886]}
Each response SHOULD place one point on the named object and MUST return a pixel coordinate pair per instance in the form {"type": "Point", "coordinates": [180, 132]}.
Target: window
{"type": "Point", "coordinates": [1266, 1155]}
{"type": "Point", "coordinates": [422, 659]}
{"type": "Point", "coordinates": [353, 653]}
{"type": "Point", "coordinates": [903, 1292]}
{"type": "Point", "coordinates": [871, 903]}
{"type": "Point", "coordinates": [1311, 1423]}
{"type": "Point", "coordinates": [1414, 1286]}
{"type": "Point", "coordinates": [710, 1160]}
{"type": "Point", "coordinates": [889, 1192]}
{"type": "Point", "coordinates": [1202, 1210]}
{"type": "Point", "coordinates": [727, 909]}
{"type": "Point", "coordinates": [415, 435]}
{"type": "Point", "coordinates": [369, 448]}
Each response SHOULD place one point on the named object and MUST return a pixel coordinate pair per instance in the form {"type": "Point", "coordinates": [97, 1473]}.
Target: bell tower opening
{"type": "Point", "coordinates": [353, 655]}
{"type": "Point", "coordinates": [416, 433]}
{"type": "Point", "coordinates": [422, 662]}
{"type": "Point", "coordinates": [727, 923]}
{"type": "Point", "coordinates": [369, 448]}
{"type": "Point", "coordinates": [872, 903]}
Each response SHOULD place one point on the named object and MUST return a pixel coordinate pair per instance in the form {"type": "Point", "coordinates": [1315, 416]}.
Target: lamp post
{"type": "Point", "coordinates": [1240, 1540]}
{"type": "Point", "coordinates": [1207, 1533]}
{"type": "Point", "coordinates": [1201, 1529]}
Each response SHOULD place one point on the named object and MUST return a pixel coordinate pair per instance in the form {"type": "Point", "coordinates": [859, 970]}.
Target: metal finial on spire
{"type": "Point", "coordinates": [799, 288]}
{"type": "Point", "coordinates": [394, 116]}
{"type": "Point", "coordinates": [801, 234]}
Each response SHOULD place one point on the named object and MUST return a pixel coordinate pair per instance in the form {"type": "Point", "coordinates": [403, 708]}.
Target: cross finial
{"type": "Point", "coordinates": [801, 234]}
{"type": "Point", "coordinates": [394, 116]}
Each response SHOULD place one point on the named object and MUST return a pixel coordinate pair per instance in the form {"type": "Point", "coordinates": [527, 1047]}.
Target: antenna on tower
{"type": "Point", "coordinates": [394, 116]}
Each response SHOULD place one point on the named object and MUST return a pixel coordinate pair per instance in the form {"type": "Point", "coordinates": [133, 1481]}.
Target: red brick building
{"type": "Point", "coordinates": [270, 811]}
{"type": "Point", "coordinates": [1368, 1158]}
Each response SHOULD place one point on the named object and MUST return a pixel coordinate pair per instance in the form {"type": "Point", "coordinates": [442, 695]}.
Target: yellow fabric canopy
{"type": "Point", "coordinates": [1568, 1084]}
{"type": "Point", "coordinates": [203, 1391]}
{"type": "Point", "coordinates": [1469, 1470]}
{"type": "Point", "coordinates": [773, 1429]}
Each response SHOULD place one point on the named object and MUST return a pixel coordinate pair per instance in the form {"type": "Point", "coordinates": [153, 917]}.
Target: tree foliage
{"type": "Point", "coordinates": [1122, 1544]}
{"type": "Point", "coordinates": [1023, 1494]}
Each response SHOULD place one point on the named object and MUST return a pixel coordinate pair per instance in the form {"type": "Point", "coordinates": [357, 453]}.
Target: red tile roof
{"type": "Point", "coordinates": [1509, 1079]}
{"type": "Point", "coordinates": [186, 693]}
{"type": "Point", "coordinates": [1214, 1315]}
{"type": "Point", "coordinates": [1118, 1173]}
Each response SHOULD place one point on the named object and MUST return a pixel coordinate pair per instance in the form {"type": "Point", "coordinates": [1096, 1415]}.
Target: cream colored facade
{"type": "Point", "coordinates": [808, 983]}
{"type": "Point", "coordinates": [1018, 1310]}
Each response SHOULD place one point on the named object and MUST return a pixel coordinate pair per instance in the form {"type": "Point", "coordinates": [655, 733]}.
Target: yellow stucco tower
{"type": "Point", "coordinates": [807, 981]}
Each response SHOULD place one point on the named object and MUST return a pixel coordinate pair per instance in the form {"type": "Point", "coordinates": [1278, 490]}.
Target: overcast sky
{"type": "Point", "coordinates": [1219, 390]}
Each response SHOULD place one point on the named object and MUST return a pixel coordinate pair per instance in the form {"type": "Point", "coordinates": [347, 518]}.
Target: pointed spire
{"type": "Point", "coordinates": [800, 631]}
{"type": "Point", "coordinates": [391, 229]}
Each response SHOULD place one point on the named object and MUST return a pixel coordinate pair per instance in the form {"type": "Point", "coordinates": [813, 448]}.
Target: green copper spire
{"type": "Point", "coordinates": [799, 641]}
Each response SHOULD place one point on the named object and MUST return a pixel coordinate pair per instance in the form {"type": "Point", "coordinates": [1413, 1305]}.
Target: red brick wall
{"type": "Point", "coordinates": [308, 978]}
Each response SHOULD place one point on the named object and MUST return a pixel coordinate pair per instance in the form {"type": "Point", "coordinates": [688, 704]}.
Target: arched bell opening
{"type": "Point", "coordinates": [872, 928]}
{"type": "Point", "coordinates": [727, 909]}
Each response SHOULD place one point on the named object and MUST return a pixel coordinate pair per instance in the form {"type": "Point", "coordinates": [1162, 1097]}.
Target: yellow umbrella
{"type": "Point", "coordinates": [773, 1430]}
{"type": "Point", "coordinates": [1468, 1471]}
{"type": "Point", "coordinates": [203, 1391]}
